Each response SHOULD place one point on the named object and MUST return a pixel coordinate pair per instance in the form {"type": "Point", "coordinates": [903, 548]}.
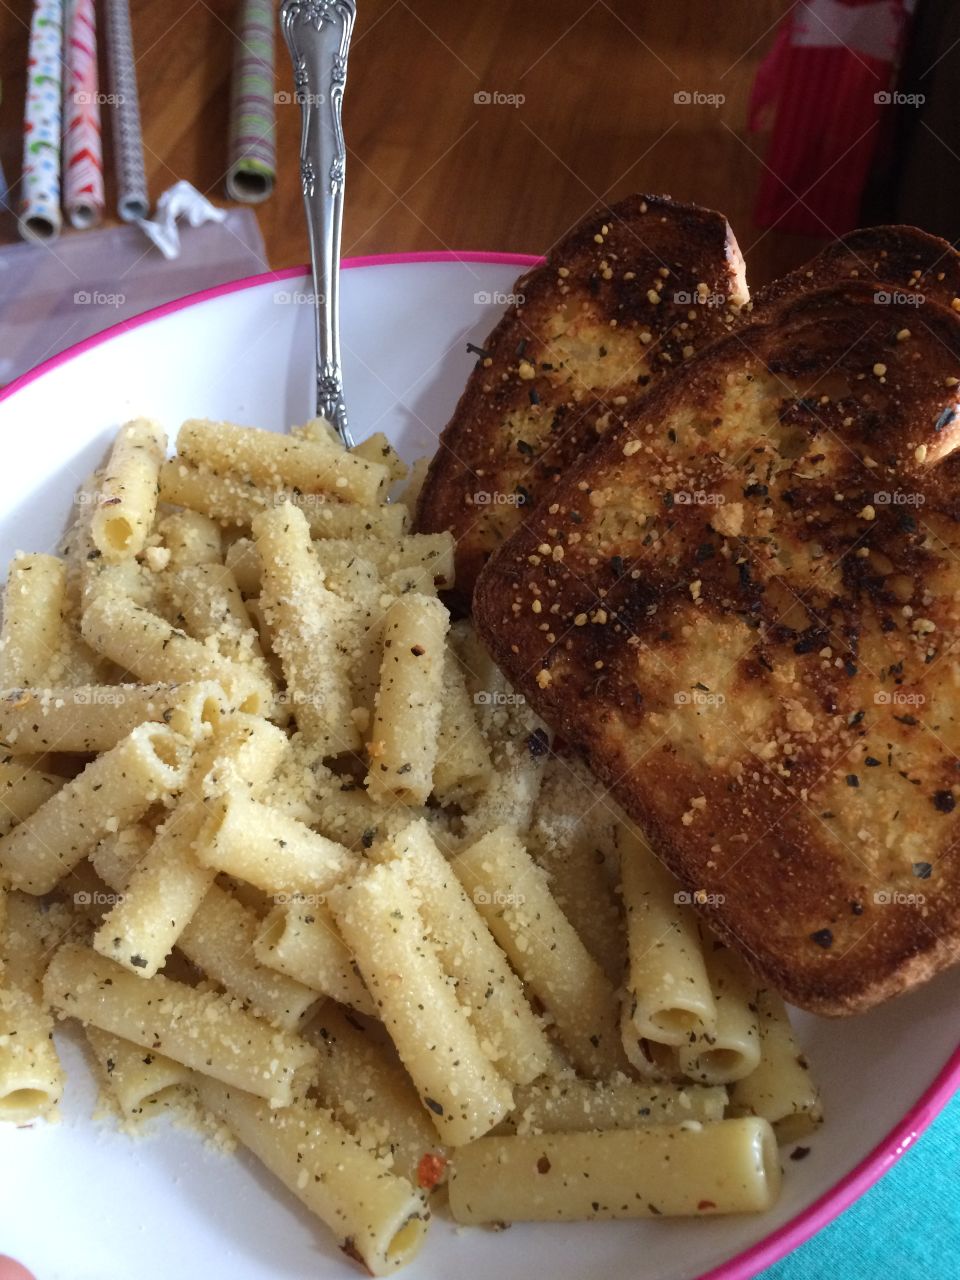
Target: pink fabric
{"type": "Point", "coordinates": [821, 80]}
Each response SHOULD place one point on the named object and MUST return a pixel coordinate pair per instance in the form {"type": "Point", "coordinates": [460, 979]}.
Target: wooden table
{"type": "Point", "coordinates": [432, 167]}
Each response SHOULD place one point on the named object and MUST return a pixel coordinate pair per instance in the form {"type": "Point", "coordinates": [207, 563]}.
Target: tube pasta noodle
{"type": "Point", "coordinates": [378, 918]}
{"type": "Point", "coordinates": [649, 1058]}
{"type": "Point", "coordinates": [432, 552]}
{"type": "Point", "coordinates": [261, 844]}
{"type": "Point", "coordinates": [357, 582]}
{"type": "Point", "coordinates": [671, 1170]}
{"type": "Point", "coordinates": [169, 883]}
{"type": "Point", "coordinates": [375, 1215]}
{"type": "Point", "coordinates": [369, 1092]}
{"type": "Point", "coordinates": [344, 812]}
{"type": "Point", "coordinates": [519, 742]}
{"type": "Point", "coordinates": [511, 894]}
{"type": "Point", "coordinates": [308, 626]}
{"type": "Point", "coordinates": [141, 641]}
{"type": "Point", "coordinates": [219, 940]}
{"type": "Point", "coordinates": [31, 634]}
{"type": "Point", "coordinates": [325, 874]}
{"type": "Point", "coordinates": [463, 764]}
{"type": "Point", "coordinates": [377, 448]}
{"type": "Point", "coordinates": [300, 938]}
{"type": "Point", "coordinates": [207, 598]}
{"type": "Point", "coordinates": [508, 1029]}
{"type": "Point", "coordinates": [122, 580]}
{"type": "Point", "coordinates": [128, 494]}
{"type": "Point", "coordinates": [97, 717]}
{"type": "Point", "coordinates": [117, 854]}
{"type": "Point", "coordinates": [115, 789]}
{"type": "Point", "coordinates": [190, 538]}
{"type": "Point", "coordinates": [31, 1079]}
{"type": "Point", "coordinates": [667, 984]}
{"type": "Point", "coordinates": [318, 465]}
{"type": "Point", "coordinates": [573, 837]}
{"type": "Point", "coordinates": [732, 1050]}
{"type": "Point", "coordinates": [230, 501]}
{"type": "Point", "coordinates": [24, 787]}
{"type": "Point", "coordinates": [781, 1089]}
{"type": "Point", "coordinates": [406, 723]}
{"type": "Point", "coordinates": [137, 1081]}
{"type": "Point", "coordinates": [200, 1029]}
{"type": "Point", "coordinates": [243, 561]}
{"type": "Point", "coordinates": [571, 1105]}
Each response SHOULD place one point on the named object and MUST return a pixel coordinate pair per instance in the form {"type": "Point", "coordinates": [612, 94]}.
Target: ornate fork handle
{"type": "Point", "coordinates": [318, 34]}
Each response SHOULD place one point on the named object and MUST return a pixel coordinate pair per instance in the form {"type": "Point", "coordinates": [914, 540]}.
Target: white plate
{"type": "Point", "coordinates": [81, 1202]}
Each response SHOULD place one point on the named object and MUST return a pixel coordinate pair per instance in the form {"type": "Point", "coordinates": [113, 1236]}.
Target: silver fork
{"type": "Point", "coordinates": [318, 34]}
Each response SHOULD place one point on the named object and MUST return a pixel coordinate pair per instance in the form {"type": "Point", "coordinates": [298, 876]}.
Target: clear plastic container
{"type": "Point", "coordinates": [57, 294]}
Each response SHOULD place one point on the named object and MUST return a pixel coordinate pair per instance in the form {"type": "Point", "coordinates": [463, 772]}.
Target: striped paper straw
{"type": "Point", "coordinates": [252, 155]}
{"type": "Point", "coordinates": [40, 206]}
{"type": "Point", "coordinates": [82, 156]}
{"type": "Point", "coordinates": [132, 199]}
{"type": "Point", "coordinates": [4, 189]}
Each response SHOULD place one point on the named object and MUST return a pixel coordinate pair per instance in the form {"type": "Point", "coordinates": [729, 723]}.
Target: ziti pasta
{"type": "Point", "coordinates": [279, 835]}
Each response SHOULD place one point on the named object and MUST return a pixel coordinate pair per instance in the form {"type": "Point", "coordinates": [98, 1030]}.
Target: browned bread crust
{"type": "Point", "coordinates": [743, 608]}
{"type": "Point", "coordinates": [633, 291]}
{"type": "Point", "coordinates": [905, 266]}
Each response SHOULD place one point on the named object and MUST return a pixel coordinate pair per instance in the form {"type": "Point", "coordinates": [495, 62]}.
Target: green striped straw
{"type": "Point", "coordinates": [253, 169]}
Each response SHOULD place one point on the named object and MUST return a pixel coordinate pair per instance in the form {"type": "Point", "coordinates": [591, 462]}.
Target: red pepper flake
{"type": "Point", "coordinates": [706, 1204]}
{"type": "Point", "coordinates": [543, 1165]}
{"type": "Point", "coordinates": [430, 1170]}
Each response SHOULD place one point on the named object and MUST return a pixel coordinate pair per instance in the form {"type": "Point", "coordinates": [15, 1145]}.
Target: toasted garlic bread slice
{"type": "Point", "coordinates": [626, 297]}
{"type": "Point", "coordinates": [744, 609]}
{"type": "Point", "coordinates": [905, 265]}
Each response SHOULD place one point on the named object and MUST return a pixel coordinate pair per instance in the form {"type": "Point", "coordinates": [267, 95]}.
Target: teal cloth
{"type": "Point", "coordinates": [906, 1227]}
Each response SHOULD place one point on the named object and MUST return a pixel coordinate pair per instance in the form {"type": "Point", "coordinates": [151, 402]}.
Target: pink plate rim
{"type": "Point", "coordinates": [251, 282]}
{"type": "Point", "coordinates": [745, 1265]}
